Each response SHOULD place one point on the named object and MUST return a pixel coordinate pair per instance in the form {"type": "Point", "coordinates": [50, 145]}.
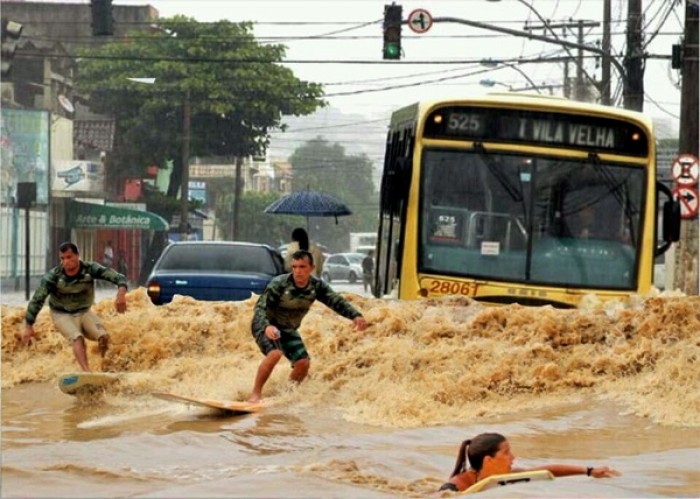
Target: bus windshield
{"type": "Point", "coordinates": [530, 219]}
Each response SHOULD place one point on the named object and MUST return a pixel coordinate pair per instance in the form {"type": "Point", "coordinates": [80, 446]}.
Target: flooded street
{"type": "Point", "coordinates": [383, 412]}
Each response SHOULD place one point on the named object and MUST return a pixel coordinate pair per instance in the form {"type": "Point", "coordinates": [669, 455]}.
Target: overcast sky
{"type": "Point", "coordinates": [461, 47]}
{"type": "Point", "coordinates": [366, 88]}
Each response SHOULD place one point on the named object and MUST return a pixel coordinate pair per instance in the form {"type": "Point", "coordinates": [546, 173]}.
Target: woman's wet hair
{"type": "Point", "coordinates": [475, 450]}
{"type": "Point", "coordinates": [300, 235]}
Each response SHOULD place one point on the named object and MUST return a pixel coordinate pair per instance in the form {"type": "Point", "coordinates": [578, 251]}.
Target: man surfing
{"type": "Point", "coordinates": [70, 288]}
{"type": "Point", "coordinates": [278, 314]}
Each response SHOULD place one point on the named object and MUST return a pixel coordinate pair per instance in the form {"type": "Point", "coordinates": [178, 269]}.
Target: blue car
{"type": "Point", "coordinates": [213, 271]}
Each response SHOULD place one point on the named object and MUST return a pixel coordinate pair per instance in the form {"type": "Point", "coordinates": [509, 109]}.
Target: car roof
{"type": "Point", "coordinates": [218, 243]}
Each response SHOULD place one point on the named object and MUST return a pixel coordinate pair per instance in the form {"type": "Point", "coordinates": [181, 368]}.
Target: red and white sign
{"type": "Point", "coordinates": [685, 170]}
{"type": "Point", "coordinates": [420, 21]}
{"type": "Point", "coordinates": [688, 197]}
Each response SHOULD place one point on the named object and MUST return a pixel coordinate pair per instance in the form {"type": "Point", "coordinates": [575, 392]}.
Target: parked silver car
{"type": "Point", "coordinates": [343, 266]}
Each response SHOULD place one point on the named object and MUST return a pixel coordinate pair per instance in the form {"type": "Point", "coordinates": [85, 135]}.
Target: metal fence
{"type": "Point", "coordinates": [12, 242]}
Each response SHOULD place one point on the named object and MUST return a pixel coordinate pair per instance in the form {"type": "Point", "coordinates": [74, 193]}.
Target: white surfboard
{"type": "Point", "coordinates": [224, 405]}
{"type": "Point", "coordinates": [71, 383]}
{"type": "Point", "coordinates": [509, 479]}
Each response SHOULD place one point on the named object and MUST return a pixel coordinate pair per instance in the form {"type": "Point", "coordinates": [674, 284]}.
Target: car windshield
{"type": "Point", "coordinates": [218, 258]}
{"type": "Point", "coordinates": [531, 219]}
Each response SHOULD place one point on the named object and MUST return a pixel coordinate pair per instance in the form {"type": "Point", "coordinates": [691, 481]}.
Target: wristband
{"type": "Point", "coordinates": [589, 471]}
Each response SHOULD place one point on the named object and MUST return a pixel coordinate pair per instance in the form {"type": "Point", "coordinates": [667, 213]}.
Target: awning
{"type": "Point", "coordinates": [99, 216]}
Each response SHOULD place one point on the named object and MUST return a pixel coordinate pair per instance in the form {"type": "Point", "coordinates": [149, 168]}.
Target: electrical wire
{"type": "Point", "coordinates": [254, 60]}
{"type": "Point", "coordinates": [661, 24]}
{"type": "Point", "coordinates": [362, 25]}
{"type": "Point", "coordinates": [647, 97]}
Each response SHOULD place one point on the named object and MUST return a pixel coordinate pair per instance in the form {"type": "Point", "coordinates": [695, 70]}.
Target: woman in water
{"type": "Point", "coordinates": [490, 454]}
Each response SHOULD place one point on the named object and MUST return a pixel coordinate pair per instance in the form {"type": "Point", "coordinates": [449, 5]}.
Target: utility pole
{"type": "Point", "coordinates": [185, 177]}
{"type": "Point", "coordinates": [237, 193]}
{"type": "Point", "coordinates": [580, 92]}
{"type": "Point", "coordinates": [634, 59]}
{"type": "Point", "coordinates": [567, 80]}
{"type": "Point", "coordinates": [605, 69]}
{"type": "Point", "coordinates": [685, 275]}
{"type": "Point", "coordinates": [580, 87]}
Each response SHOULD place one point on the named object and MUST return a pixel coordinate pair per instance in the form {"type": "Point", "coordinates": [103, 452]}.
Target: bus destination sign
{"type": "Point", "coordinates": [538, 128]}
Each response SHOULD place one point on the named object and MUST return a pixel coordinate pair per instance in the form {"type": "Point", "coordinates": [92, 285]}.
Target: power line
{"type": "Point", "coordinates": [90, 40]}
{"type": "Point", "coordinates": [171, 22]}
{"type": "Point", "coordinates": [647, 97]}
{"type": "Point", "coordinates": [339, 125]}
{"type": "Point", "coordinates": [671, 8]}
{"type": "Point", "coordinates": [253, 60]}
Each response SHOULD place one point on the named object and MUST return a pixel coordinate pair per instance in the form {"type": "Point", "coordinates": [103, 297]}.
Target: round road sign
{"type": "Point", "coordinates": [685, 170]}
{"type": "Point", "coordinates": [688, 197]}
{"type": "Point", "coordinates": [420, 20]}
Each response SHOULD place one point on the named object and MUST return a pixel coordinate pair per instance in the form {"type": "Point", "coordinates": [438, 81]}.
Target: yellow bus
{"type": "Point", "coordinates": [520, 198]}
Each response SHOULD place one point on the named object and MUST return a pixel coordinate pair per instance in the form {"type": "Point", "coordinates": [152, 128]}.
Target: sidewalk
{"type": "Point", "coordinates": [17, 298]}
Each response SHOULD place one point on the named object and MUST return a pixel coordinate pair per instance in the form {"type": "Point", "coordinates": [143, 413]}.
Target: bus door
{"type": "Point", "coordinates": [396, 182]}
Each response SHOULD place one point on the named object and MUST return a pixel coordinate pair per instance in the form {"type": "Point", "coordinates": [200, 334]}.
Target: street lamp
{"type": "Point", "coordinates": [490, 63]}
{"type": "Point", "coordinates": [488, 82]}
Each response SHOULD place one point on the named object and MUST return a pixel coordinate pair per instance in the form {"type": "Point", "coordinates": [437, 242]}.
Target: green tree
{"type": "Point", "coordinates": [321, 166]}
{"type": "Point", "coordinates": [237, 89]}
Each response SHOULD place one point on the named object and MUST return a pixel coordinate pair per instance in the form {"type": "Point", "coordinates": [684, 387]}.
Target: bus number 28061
{"type": "Point", "coordinates": [453, 288]}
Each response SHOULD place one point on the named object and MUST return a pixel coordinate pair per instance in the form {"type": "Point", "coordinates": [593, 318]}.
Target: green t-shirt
{"type": "Point", "coordinates": [70, 294]}
{"type": "Point", "coordinates": [283, 305]}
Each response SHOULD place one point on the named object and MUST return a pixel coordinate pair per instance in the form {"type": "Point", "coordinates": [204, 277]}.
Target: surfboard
{"type": "Point", "coordinates": [71, 383]}
{"type": "Point", "coordinates": [508, 479]}
{"type": "Point", "coordinates": [224, 405]}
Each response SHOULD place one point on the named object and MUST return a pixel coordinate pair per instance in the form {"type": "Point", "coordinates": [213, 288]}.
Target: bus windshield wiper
{"type": "Point", "coordinates": [495, 169]}
{"type": "Point", "coordinates": [614, 187]}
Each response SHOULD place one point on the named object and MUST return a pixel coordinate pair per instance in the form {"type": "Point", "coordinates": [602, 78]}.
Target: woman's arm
{"type": "Point", "coordinates": [570, 470]}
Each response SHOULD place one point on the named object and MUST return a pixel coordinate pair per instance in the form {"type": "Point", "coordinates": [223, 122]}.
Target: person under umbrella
{"type": "Point", "coordinates": [300, 241]}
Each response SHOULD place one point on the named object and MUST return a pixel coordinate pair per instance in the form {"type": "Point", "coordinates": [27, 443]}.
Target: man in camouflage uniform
{"type": "Point", "coordinates": [70, 288]}
{"type": "Point", "coordinates": [279, 312]}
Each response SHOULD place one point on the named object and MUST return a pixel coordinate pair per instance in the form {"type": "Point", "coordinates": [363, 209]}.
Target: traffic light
{"type": "Point", "coordinates": [102, 21]}
{"type": "Point", "coordinates": [676, 56]}
{"type": "Point", "coordinates": [392, 31]}
{"type": "Point", "coordinates": [11, 31]}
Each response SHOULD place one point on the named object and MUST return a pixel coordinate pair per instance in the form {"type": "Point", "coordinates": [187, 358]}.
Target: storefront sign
{"type": "Point", "coordinates": [78, 176]}
{"type": "Point", "coordinates": [98, 216]}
